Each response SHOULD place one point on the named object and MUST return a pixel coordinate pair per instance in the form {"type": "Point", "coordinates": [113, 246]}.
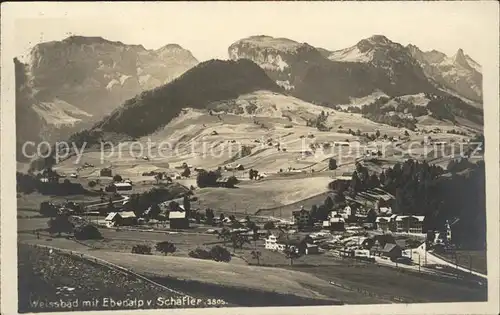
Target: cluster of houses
{"type": "Point", "coordinates": [401, 223]}
{"type": "Point", "coordinates": [385, 221]}
{"type": "Point", "coordinates": [303, 245]}
{"type": "Point", "coordinates": [178, 219]}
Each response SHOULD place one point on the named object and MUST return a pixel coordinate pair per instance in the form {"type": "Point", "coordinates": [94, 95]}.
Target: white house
{"type": "Point", "coordinates": [348, 210]}
{"type": "Point", "coordinates": [271, 242]}
{"type": "Point", "coordinates": [122, 186]}
{"type": "Point", "coordinates": [385, 210]}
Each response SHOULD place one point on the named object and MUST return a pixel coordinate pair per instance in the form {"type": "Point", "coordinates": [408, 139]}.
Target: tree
{"type": "Point", "coordinates": [141, 249]}
{"type": "Point", "coordinates": [117, 178]}
{"type": "Point", "coordinates": [221, 217]}
{"type": "Point", "coordinates": [200, 253]}
{"type": "Point", "coordinates": [224, 235]}
{"type": "Point", "coordinates": [187, 205]}
{"type": "Point", "coordinates": [332, 164]}
{"type": "Point", "coordinates": [238, 240]}
{"type": "Point", "coordinates": [377, 133]}
{"type": "Point", "coordinates": [165, 247]}
{"type": "Point", "coordinates": [371, 216]}
{"type": "Point", "coordinates": [232, 181]}
{"type": "Point", "coordinates": [355, 183]}
{"type": "Point", "coordinates": [47, 209]}
{"type": "Point", "coordinates": [92, 183]}
{"type": "Point", "coordinates": [256, 255]}
{"type": "Point", "coordinates": [110, 207]}
{"type": "Point", "coordinates": [186, 172]}
{"type": "Point", "coordinates": [373, 181]}
{"type": "Point", "coordinates": [314, 213]}
{"type": "Point", "coordinates": [291, 253]}
{"type": "Point", "coordinates": [209, 214]}
{"type": "Point", "coordinates": [87, 232]}
{"type": "Point", "coordinates": [158, 177]}
{"type": "Point", "coordinates": [207, 179]}
{"type": "Point", "coordinates": [269, 225]}
{"type": "Point", "coordinates": [219, 253]}
{"type": "Point", "coordinates": [154, 211]}
{"type": "Point", "coordinates": [60, 224]}
{"type": "Point", "coordinates": [329, 203]}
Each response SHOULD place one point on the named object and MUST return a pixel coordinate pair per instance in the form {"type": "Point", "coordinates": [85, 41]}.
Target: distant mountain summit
{"type": "Point", "coordinates": [80, 79]}
{"type": "Point", "coordinates": [458, 73]}
{"type": "Point", "coordinates": [330, 78]}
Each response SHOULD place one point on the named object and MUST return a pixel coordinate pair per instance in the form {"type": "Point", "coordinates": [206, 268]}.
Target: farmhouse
{"type": "Point", "coordinates": [106, 172]}
{"type": "Point", "coordinates": [120, 218]}
{"type": "Point", "coordinates": [385, 223]}
{"type": "Point", "coordinates": [392, 251]}
{"type": "Point", "coordinates": [178, 220]}
{"type": "Point", "coordinates": [122, 186]}
{"type": "Point", "coordinates": [385, 210]}
{"type": "Point", "coordinates": [224, 182]}
{"type": "Point", "coordinates": [337, 224]}
{"type": "Point", "coordinates": [345, 177]}
{"type": "Point", "coordinates": [301, 218]}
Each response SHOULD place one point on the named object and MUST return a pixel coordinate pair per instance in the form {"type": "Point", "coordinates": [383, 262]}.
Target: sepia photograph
{"type": "Point", "coordinates": [249, 156]}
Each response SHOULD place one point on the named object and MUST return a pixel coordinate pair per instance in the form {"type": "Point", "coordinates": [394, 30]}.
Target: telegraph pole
{"type": "Point", "coordinates": [419, 263]}
{"type": "Point", "coordinates": [470, 264]}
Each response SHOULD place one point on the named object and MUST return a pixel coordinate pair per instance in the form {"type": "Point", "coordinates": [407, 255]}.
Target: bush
{"type": "Point", "coordinates": [60, 224]}
{"type": "Point", "coordinates": [117, 178]}
{"type": "Point", "coordinates": [232, 181]}
{"type": "Point", "coordinates": [219, 253]}
{"type": "Point", "coordinates": [332, 164]}
{"type": "Point", "coordinates": [269, 225]}
{"type": "Point", "coordinates": [207, 179]}
{"type": "Point", "coordinates": [87, 232]}
{"type": "Point", "coordinates": [165, 247]}
{"type": "Point", "coordinates": [92, 183]}
{"type": "Point", "coordinates": [141, 249]}
{"type": "Point", "coordinates": [200, 253]}
{"type": "Point", "coordinates": [186, 172]}
{"type": "Point", "coordinates": [47, 209]}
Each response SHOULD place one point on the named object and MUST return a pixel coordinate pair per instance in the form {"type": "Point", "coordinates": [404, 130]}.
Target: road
{"type": "Point", "coordinates": [125, 198]}
{"type": "Point", "coordinates": [433, 259]}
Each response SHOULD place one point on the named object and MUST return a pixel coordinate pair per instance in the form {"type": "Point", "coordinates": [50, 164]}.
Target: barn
{"type": "Point", "coordinates": [178, 220]}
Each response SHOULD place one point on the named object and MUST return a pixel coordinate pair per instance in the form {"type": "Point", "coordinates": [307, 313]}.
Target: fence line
{"type": "Point", "coordinates": [107, 264]}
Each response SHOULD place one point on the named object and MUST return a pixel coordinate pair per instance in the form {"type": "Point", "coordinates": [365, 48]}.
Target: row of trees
{"type": "Point", "coordinates": [216, 253]}
{"type": "Point", "coordinates": [61, 224]}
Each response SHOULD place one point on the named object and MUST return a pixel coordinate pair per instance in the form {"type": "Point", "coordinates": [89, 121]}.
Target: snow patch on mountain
{"type": "Point", "coordinates": [59, 113]}
{"type": "Point", "coordinates": [285, 84]}
{"type": "Point", "coordinates": [352, 54]}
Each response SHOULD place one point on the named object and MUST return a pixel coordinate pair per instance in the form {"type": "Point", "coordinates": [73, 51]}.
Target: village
{"type": "Point", "coordinates": [373, 234]}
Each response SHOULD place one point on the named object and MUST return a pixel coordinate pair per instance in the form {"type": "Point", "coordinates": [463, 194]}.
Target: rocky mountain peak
{"type": "Point", "coordinates": [460, 59]}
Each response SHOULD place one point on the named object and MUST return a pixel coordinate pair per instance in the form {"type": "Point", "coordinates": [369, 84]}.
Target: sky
{"type": "Point", "coordinates": [207, 29]}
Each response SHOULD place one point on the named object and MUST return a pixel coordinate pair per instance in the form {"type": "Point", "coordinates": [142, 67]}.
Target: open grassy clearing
{"type": "Point", "coordinates": [474, 259]}
{"type": "Point", "coordinates": [388, 282]}
{"type": "Point", "coordinates": [45, 276]}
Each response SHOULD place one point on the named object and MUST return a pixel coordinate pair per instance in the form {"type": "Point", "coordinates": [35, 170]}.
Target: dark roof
{"type": "Point", "coordinates": [389, 247]}
{"type": "Point", "coordinates": [401, 243]}
{"type": "Point", "coordinates": [222, 180]}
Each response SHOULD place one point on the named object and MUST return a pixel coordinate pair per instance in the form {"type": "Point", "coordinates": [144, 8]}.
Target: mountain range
{"type": "Point", "coordinates": [67, 85]}
{"type": "Point", "coordinates": [93, 83]}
